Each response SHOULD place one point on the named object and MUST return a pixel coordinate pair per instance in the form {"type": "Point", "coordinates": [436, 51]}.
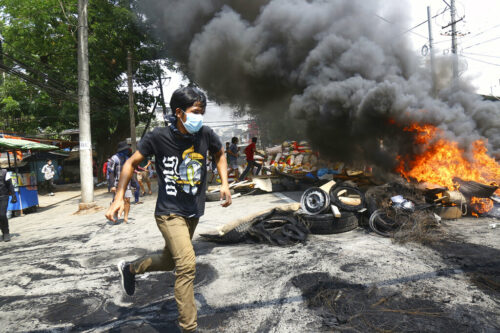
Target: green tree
{"type": "Point", "coordinates": [39, 43]}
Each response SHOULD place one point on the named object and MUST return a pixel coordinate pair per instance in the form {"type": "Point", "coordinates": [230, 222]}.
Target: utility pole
{"type": "Point", "coordinates": [431, 48]}
{"type": "Point", "coordinates": [160, 83]}
{"type": "Point", "coordinates": [86, 175]}
{"type": "Point", "coordinates": [454, 40]}
{"type": "Point", "coordinates": [131, 110]}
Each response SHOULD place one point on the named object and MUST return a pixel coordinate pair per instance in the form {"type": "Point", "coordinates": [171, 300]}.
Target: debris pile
{"type": "Point", "coordinates": [292, 157]}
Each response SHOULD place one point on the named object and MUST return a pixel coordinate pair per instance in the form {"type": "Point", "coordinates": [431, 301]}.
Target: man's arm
{"type": "Point", "coordinates": [126, 173]}
{"type": "Point", "coordinates": [225, 193]}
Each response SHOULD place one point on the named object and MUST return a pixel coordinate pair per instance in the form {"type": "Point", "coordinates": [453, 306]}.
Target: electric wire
{"type": "Point", "coordinates": [482, 32]}
{"type": "Point", "coordinates": [480, 43]}
{"type": "Point", "coordinates": [482, 55]}
{"type": "Point", "coordinates": [413, 32]}
{"type": "Point", "coordinates": [482, 61]}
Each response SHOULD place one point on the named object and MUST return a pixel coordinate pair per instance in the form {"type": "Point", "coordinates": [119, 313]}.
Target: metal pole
{"type": "Point", "coordinates": [131, 110]}
{"type": "Point", "coordinates": [17, 183]}
{"type": "Point", "coordinates": [86, 176]}
{"type": "Point", "coordinates": [431, 48]}
{"type": "Point", "coordinates": [454, 41]}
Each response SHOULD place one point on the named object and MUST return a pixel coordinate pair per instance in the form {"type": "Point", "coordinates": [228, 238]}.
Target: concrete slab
{"type": "Point", "coordinates": [58, 273]}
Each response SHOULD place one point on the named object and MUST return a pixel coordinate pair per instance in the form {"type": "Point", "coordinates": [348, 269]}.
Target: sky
{"type": "Point", "coordinates": [479, 41]}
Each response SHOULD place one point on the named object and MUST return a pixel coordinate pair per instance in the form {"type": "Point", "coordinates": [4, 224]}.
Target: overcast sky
{"type": "Point", "coordinates": [479, 47]}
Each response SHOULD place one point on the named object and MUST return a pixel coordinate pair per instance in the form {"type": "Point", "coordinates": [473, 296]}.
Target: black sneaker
{"type": "Point", "coordinates": [6, 237]}
{"type": "Point", "coordinates": [127, 278]}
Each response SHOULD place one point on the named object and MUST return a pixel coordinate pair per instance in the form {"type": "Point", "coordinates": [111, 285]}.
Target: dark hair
{"type": "Point", "coordinates": [227, 143]}
{"type": "Point", "coordinates": [254, 139]}
{"type": "Point", "coordinates": [234, 139]}
{"type": "Point", "coordinates": [185, 97]}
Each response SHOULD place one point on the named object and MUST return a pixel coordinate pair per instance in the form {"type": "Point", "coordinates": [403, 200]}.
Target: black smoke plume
{"type": "Point", "coordinates": [339, 71]}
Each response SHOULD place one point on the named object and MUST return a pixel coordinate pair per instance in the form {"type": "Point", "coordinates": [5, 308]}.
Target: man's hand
{"type": "Point", "coordinates": [13, 200]}
{"type": "Point", "coordinates": [113, 189]}
{"type": "Point", "coordinates": [225, 193]}
{"type": "Point", "coordinates": [116, 209]}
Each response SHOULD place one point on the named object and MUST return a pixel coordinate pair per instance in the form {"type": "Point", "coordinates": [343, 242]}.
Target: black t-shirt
{"type": "Point", "coordinates": [181, 167]}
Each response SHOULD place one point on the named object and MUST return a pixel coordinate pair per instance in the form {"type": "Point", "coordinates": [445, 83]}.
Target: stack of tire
{"type": "Point", "coordinates": [317, 207]}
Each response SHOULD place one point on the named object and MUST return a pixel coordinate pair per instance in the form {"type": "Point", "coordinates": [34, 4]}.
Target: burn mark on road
{"type": "Point", "coordinates": [347, 306]}
{"type": "Point", "coordinates": [480, 263]}
{"type": "Point", "coordinates": [152, 308]}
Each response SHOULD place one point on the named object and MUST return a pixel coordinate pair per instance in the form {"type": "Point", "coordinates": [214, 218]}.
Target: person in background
{"type": "Point", "coordinates": [105, 173]}
{"type": "Point", "coordinates": [60, 174]}
{"type": "Point", "coordinates": [250, 154]}
{"type": "Point", "coordinates": [135, 184]}
{"type": "Point", "coordinates": [227, 149]}
{"type": "Point", "coordinates": [143, 176]}
{"type": "Point", "coordinates": [48, 174]}
{"type": "Point", "coordinates": [6, 190]}
{"type": "Point", "coordinates": [115, 165]}
{"type": "Point", "coordinates": [232, 157]}
{"type": "Point", "coordinates": [212, 165]}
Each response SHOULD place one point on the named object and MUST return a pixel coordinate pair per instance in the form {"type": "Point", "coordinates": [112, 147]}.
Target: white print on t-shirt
{"type": "Point", "coordinates": [171, 174]}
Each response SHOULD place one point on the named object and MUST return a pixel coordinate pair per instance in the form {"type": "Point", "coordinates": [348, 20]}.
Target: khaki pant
{"type": "Point", "coordinates": [179, 254]}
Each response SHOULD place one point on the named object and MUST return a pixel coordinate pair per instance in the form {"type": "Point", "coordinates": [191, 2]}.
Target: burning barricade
{"type": "Point", "coordinates": [440, 182]}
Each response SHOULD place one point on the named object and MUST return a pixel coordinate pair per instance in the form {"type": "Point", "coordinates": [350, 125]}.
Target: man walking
{"type": "Point", "coordinates": [180, 152]}
{"type": "Point", "coordinates": [232, 160]}
{"type": "Point", "coordinates": [48, 173]}
{"type": "Point", "coordinates": [6, 190]}
{"type": "Point", "coordinates": [115, 165]}
{"type": "Point", "coordinates": [250, 154]}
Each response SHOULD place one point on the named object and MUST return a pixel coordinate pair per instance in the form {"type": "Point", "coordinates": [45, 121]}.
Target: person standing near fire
{"type": "Point", "coordinates": [180, 151]}
{"type": "Point", "coordinates": [48, 173]}
{"type": "Point", "coordinates": [250, 154]}
{"type": "Point", "coordinates": [6, 190]}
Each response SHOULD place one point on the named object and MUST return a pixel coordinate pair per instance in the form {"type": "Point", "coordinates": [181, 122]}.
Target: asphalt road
{"type": "Point", "coordinates": [58, 274]}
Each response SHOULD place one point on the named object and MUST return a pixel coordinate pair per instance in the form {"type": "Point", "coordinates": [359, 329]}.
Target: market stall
{"type": "Point", "coordinates": [26, 184]}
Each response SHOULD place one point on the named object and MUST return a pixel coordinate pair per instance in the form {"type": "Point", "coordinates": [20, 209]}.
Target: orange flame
{"type": "Point", "coordinates": [480, 205]}
{"type": "Point", "coordinates": [442, 160]}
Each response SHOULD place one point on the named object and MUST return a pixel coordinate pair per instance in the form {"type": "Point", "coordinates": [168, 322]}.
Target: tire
{"type": "Point", "coordinates": [380, 223]}
{"type": "Point", "coordinates": [325, 224]}
{"type": "Point", "coordinates": [334, 199]}
{"type": "Point", "coordinates": [314, 201]}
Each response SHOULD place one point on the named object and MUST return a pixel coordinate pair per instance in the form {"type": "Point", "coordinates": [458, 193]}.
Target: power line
{"type": "Point", "coordinates": [33, 70]}
{"type": "Point", "coordinates": [31, 57]}
{"type": "Point", "coordinates": [487, 41]}
{"type": "Point", "coordinates": [486, 30]}
{"type": "Point", "coordinates": [413, 32]}
{"type": "Point", "coordinates": [482, 55]}
{"type": "Point", "coordinates": [424, 22]}
{"type": "Point", "coordinates": [482, 61]}
{"type": "Point", "coordinates": [41, 85]}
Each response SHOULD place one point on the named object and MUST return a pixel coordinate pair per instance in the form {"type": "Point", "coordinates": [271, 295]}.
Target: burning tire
{"type": "Point", "coordinates": [325, 224]}
{"type": "Point", "coordinates": [347, 198]}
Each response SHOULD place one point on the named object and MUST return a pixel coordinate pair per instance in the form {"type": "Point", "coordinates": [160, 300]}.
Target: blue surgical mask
{"type": "Point", "coordinates": [193, 122]}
